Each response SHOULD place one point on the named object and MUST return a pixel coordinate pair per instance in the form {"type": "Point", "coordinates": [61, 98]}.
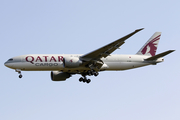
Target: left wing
{"type": "Point", "coordinates": [107, 49]}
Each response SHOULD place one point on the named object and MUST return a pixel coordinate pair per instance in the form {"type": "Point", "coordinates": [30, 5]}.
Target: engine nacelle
{"type": "Point", "coordinates": [71, 62]}
{"type": "Point", "coordinates": [59, 76]}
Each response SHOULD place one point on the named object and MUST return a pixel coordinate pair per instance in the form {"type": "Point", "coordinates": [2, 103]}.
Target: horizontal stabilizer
{"type": "Point", "coordinates": [159, 55]}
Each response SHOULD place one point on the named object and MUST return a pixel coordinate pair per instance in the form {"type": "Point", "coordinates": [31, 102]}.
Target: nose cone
{"type": "Point", "coordinates": [5, 64]}
{"type": "Point", "coordinates": [9, 65]}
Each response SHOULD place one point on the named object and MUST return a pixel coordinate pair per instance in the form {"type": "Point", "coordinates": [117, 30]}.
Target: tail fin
{"type": "Point", "coordinates": [150, 46]}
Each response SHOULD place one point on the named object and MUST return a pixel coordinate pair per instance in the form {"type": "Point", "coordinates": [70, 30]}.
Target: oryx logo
{"type": "Point", "coordinates": [71, 60]}
{"type": "Point", "coordinates": [151, 47]}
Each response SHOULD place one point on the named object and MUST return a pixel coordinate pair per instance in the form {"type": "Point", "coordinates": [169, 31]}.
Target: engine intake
{"type": "Point", "coordinates": [71, 62]}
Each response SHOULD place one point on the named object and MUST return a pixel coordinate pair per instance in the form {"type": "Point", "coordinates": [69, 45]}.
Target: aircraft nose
{"type": "Point", "coordinates": [7, 64]}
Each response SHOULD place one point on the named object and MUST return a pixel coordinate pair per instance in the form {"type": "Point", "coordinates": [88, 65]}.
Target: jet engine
{"type": "Point", "coordinates": [71, 62]}
{"type": "Point", "coordinates": [59, 76]}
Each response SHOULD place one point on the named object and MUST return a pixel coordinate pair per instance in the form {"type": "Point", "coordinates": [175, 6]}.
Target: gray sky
{"type": "Point", "coordinates": [79, 27]}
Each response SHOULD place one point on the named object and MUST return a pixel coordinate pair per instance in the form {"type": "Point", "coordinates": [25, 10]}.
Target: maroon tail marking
{"type": "Point", "coordinates": [152, 46]}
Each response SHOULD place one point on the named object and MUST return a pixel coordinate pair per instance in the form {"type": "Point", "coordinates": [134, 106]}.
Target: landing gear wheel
{"type": "Point", "coordinates": [20, 76]}
{"type": "Point", "coordinates": [96, 74]}
{"type": "Point", "coordinates": [84, 80]}
{"type": "Point", "coordinates": [88, 81]}
{"type": "Point", "coordinates": [19, 72]}
{"type": "Point", "coordinates": [89, 72]}
{"type": "Point", "coordinates": [81, 79]}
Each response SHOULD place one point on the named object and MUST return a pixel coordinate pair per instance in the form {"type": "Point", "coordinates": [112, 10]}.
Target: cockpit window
{"type": "Point", "coordinates": [10, 59]}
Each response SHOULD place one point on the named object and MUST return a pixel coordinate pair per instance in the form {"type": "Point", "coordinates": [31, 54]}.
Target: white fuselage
{"type": "Point", "coordinates": [54, 62]}
{"type": "Point", "coordinates": [63, 66]}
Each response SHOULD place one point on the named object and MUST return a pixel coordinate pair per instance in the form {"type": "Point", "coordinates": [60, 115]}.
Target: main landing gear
{"type": "Point", "coordinates": [19, 72]}
{"type": "Point", "coordinates": [89, 72]}
{"type": "Point", "coordinates": [84, 79]}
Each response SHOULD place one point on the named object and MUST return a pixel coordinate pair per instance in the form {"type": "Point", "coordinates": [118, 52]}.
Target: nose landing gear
{"type": "Point", "coordinates": [20, 76]}
{"type": "Point", "coordinates": [19, 72]}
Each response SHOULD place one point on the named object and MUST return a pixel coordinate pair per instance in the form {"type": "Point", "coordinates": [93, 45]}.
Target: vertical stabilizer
{"type": "Point", "coordinates": [151, 45]}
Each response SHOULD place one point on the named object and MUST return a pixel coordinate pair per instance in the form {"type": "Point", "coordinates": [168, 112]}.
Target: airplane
{"type": "Point", "coordinates": [63, 66]}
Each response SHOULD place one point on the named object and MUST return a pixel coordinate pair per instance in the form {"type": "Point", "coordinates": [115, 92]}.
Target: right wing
{"type": "Point", "coordinates": [107, 49]}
